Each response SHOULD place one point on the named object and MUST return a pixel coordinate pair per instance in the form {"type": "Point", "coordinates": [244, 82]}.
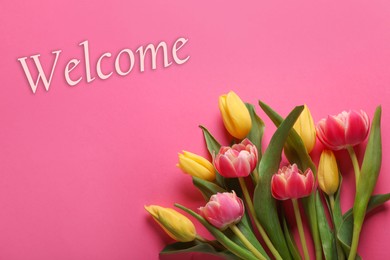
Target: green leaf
{"type": "Point", "coordinates": [367, 180]}
{"type": "Point", "coordinates": [326, 234]}
{"type": "Point", "coordinates": [213, 147]}
{"type": "Point", "coordinates": [344, 234]}
{"type": "Point", "coordinates": [212, 144]}
{"type": "Point", "coordinates": [220, 236]}
{"type": "Point", "coordinates": [264, 203]}
{"type": "Point", "coordinates": [295, 152]}
{"type": "Point", "coordinates": [337, 213]}
{"type": "Point", "coordinates": [197, 246]}
{"type": "Point", "coordinates": [337, 218]}
{"type": "Point", "coordinates": [290, 241]}
{"type": "Point", "coordinates": [370, 170]}
{"type": "Point", "coordinates": [206, 187]}
{"type": "Point", "coordinates": [257, 130]}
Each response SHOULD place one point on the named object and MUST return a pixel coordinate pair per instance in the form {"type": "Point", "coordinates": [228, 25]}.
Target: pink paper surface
{"type": "Point", "coordinates": [77, 164]}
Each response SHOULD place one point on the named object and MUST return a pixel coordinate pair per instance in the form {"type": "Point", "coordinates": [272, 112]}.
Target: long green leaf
{"type": "Point", "coordinates": [326, 234]}
{"type": "Point", "coordinates": [207, 188]}
{"type": "Point", "coordinates": [213, 147]}
{"type": "Point", "coordinates": [257, 130]}
{"type": "Point", "coordinates": [367, 180]}
{"type": "Point", "coordinates": [264, 203]}
{"type": "Point", "coordinates": [290, 241]}
{"type": "Point", "coordinates": [197, 246]}
{"type": "Point", "coordinates": [370, 170]}
{"type": "Point", "coordinates": [295, 152]}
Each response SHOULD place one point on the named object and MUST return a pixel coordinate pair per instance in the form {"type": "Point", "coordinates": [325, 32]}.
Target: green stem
{"type": "Point", "coordinates": [256, 176]}
{"type": "Point", "coordinates": [261, 230]}
{"type": "Point", "coordinates": [300, 229]}
{"type": "Point", "coordinates": [355, 163]}
{"type": "Point", "coordinates": [246, 242]}
{"type": "Point", "coordinates": [355, 242]}
{"type": "Point", "coordinates": [331, 201]}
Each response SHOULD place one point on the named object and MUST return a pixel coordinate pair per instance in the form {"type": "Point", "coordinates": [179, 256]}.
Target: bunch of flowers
{"type": "Point", "coordinates": [232, 210]}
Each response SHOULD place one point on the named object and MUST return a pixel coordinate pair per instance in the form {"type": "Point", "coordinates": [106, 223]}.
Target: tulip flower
{"type": "Point", "coordinates": [328, 173]}
{"type": "Point", "coordinates": [305, 128]}
{"type": "Point", "coordinates": [223, 209]}
{"type": "Point", "coordinates": [290, 183]}
{"type": "Point", "coordinates": [176, 225]}
{"type": "Point", "coordinates": [196, 165]}
{"type": "Point", "coordinates": [235, 115]}
{"type": "Point", "coordinates": [236, 161]}
{"type": "Point", "coordinates": [345, 129]}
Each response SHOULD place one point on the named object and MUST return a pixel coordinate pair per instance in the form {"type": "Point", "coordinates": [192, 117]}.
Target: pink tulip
{"type": "Point", "coordinates": [236, 161]}
{"type": "Point", "coordinates": [290, 183]}
{"type": "Point", "coordinates": [345, 129]}
{"type": "Point", "coordinates": [223, 210]}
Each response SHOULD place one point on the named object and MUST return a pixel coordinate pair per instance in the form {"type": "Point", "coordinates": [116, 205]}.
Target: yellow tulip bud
{"type": "Point", "coordinates": [328, 172]}
{"type": "Point", "coordinates": [235, 115]}
{"type": "Point", "coordinates": [176, 225]}
{"type": "Point", "coordinates": [196, 165]}
{"type": "Point", "coordinates": [306, 129]}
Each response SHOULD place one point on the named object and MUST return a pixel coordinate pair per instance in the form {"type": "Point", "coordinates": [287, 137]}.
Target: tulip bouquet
{"type": "Point", "coordinates": [250, 223]}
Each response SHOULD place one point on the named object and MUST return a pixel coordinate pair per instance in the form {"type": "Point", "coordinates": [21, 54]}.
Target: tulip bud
{"type": "Point", "coordinates": [328, 172]}
{"type": "Point", "coordinates": [306, 129]}
{"type": "Point", "coordinates": [290, 183]}
{"type": "Point", "coordinates": [196, 165]}
{"type": "Point", "coordinates": [176, 225]}
{"type": "Point", "coordinates": [235, 115]}
{"type": "Point", "coordinates": [223, 209]}
{"type": "Point", "coordinates": [236, 161]}
{"type": "Point", "coordinates": [345, 129]}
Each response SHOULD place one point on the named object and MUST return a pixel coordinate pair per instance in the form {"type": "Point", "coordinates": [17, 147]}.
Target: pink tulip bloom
{"type": "Point", "coordinates": [290, 183]}
{"type": "Point", "coordinates": [236, 161]}
{"type": "Point", "coordinates": [223, 210]}
{"type": "Point", "coordinates": [345, 129]}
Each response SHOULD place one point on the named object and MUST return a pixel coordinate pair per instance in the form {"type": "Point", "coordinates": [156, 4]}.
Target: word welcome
{"type": "Point", "coordinates": [127, 54]}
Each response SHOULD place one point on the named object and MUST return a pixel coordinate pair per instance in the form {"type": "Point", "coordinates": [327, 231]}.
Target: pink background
{"type": "Point", "coordinates": [77, 164]}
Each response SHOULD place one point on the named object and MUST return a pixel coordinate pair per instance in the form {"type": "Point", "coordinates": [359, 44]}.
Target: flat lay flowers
{"type": "Point", "coordinates": [247, 185]}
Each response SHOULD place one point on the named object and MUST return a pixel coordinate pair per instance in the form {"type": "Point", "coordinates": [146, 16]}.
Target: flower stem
{"type": "Point", "coordinates": [355, 242]}
{"type": "Point", "coordinates": [261, 230]}
{"type": "Point", "coordinates": [300, 228]}
{"type": "Point", "coordinates": [331, 201]}
{"type": "Point", "coordinates": [355, 163]}
{"type": "Point", "coordinates": [255, 176]}
{"type": "Point", "coordinates": [246, 242]}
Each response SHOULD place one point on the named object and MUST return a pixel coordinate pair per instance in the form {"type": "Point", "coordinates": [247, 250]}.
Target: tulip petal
{"type": "Point", "coordinates": [309, 182]}
{"type": "Point", "coordinates": [225, 114]}
{"type": "Point", "coordinates": [225, 167]}
{"type": "Point", "coordinates": [334, 133]}
{"type": "Point", "coordinates": [278, 187]}
{"type": "Point", "coordinates": [295, 187]}
{"type": "Point", "coordinates": [357, 128]}
{"type": "Point", "coordinates": [242, 167]}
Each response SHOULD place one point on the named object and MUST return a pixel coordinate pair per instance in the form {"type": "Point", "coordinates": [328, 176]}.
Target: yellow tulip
{"type": "Point", "coordinates": [235, 115]}
{"type": "Point", "coordinates": [176, 225]}
{"type": "Point", "coordinates": [196, 165]}
{"type": "Point", "coordinates": [328, 172]}
{"type": "Point", "coordinates": [306, 129]}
